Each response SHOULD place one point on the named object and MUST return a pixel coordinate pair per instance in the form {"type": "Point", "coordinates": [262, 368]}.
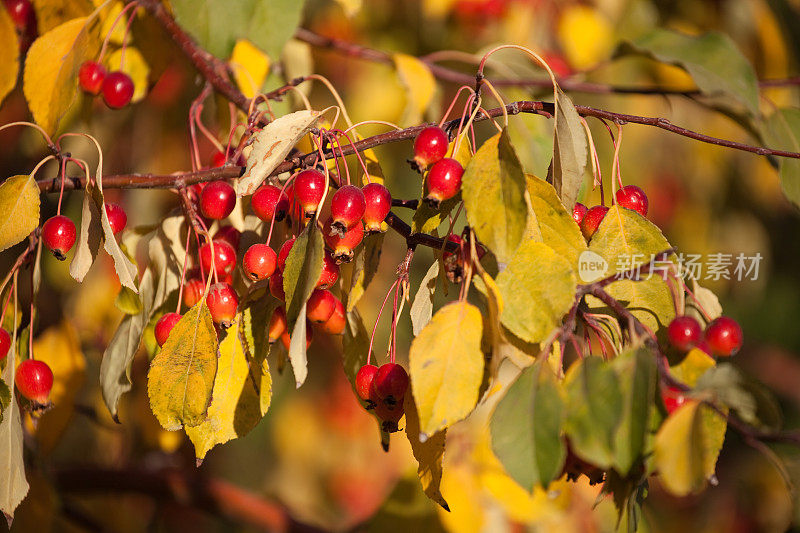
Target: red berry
{"type": "Point", "coordinates": [430, 146]}
{"type": "Point", "coordinates": [347, 208]}
{"type": "Point", "coordinates": [378, 204]}
{"type": "Point", "coordinates": [5, 343]}
{"type": "Point", "coordinates": [21, 13]}
{"type": "Point", "coordinates": [634, 198]}
{"type": "Point", "coordinates": [309, 188]}
{"type": "Point", "coordinates": [230, 235]}
{"type": "Point", "coordinates": [164, 327]}
{"type": "Point", "coordinates": [259, 262]}
{"type": "Point", "coordinates": [673, 398]}
{"type": "Point", "coordinates": [58, 234]}
{"type": "Point", "coordinates": [218, 159]}
{"type": "Point", "coordinates": [269, 201]}
{"type": "Point", "coordinates": [283, 253]}
{"type": "Point", "coordinates": [338, 320]}
{"type": "Point", "coordinates": [117, 218]}
{"type": "Point", "coordinates": [287, 340]}
{"type": "Point", "coordinates": [724, 336]}
{"type": "Point", "coordinates": [91, 77]}
{"type": "Point", "coordinates": [222, 303]}
{"type": "Point", "coordinates": [193, 291]}
{"type": "Point", "coordinates": [117, 89]}
{"type": "Point", "coordinates": [391, 383]}
{"type": "Point", "coordinates": [217, 200]}
{"type": "Point", "coordinates": [330, 272]}
{"type": "Point", "coordinates": [364, 378]}
{"type": "Point", "coordinates": [276, 286]}
{"type": "Point", "coordinates": [320, 306]}
{"type": "Point", "coordinates": [277, 324]}
{"type": "Point", "coordinates": [390, 415]}
{"type": "Point", "coordinates": [342, 246]}
{"type": "Point", "coordinates": [592, 219]}
{"type": "Point", "coordinates": [444, 181]}
{"type": "Point", "coordinates": [578, 212]}
{"type": "Point", "coordinates": [224, 257]}
{"type": "Point", "coordinates": [34, 380]}
{"type": "Point", "coordinates": [684, 333]}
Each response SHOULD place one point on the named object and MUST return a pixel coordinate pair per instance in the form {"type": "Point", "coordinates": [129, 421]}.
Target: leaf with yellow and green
{"type": "Point", "coordinates": [570, 149]}
{"type": "Point", "coordinates": [365, 266]}
{"type": "Point", "coordinates": [538, 288]}
{"type": "Point", "coordinates": [550, 223]}
{"type": "Point", "coordinates": [181, 375]}
{"type": "Point", "coordinates": [52, 13]}
{"type": "Point", "coordinates": [446, 367]}
{"type": "Point", "coordinates": [9, 54]}
{"type": "Point", "coordinates": [19, 209]}
{"type": "Point", "coordinates": [419, 84]}
{"type": "Point", "coordinates": [51, 69]}
{"type": "Point", "coordinates": [428, 453]}
{"type": "Point", "coordinates": [250, 67]}
{"type": "Point", "coordinates": [5, 398]}
{"type": "Point", "coordinates": [255, 320]}
{"type": "Point", "coordinates": [303, 268]}
{"type": "Point", "coordinates": [235, 404]}
{"type": "Point", "coordinates": [493, 189]}
{"type": "Point", "coordinates": [128, 301]}
{"type": "Point", "coordinates": [422, 306]}
{"type": "Point", "coordinates": [692, 367]}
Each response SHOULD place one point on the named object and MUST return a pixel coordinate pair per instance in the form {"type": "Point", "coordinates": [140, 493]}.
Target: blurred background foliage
{"type": "Point", "coordinates": [317, 453]}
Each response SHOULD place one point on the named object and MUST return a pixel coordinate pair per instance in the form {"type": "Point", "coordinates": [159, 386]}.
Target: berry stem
{"type": "Point", "coordinates": [375, 327]}
{"type": "Point", "coordinates": [208, 135]}
{"type": "Point", "coordinates": [8, 300]}
{"type": "Point", "coordinates": [125, 40]}
{"type": "Point", "coordinates": [358, 154]}
{"type": "Point", "coordinates": [183, 271]}
{"type": "Point", "coordinates": [111, 29]}
{"type": "Point", "coordinates": [63, 179]}
{"type": "Point", "coordinates": [453, 103]}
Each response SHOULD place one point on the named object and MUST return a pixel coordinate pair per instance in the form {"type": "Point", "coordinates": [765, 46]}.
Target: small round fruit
{"type": "Point", "coordinates": [286, 340]}
{"type": "Point", "coordinates": [91, 77]}
{"type": "Point", "coordinates": [224, 257]}
{"type": "Point", "coordinates": [347, 208]}
{"type": "Point", "coordinates": [58, 234]}
{"type": "Point", "coordinates": [217, 200]}
{"type": "Point", "coordinates": [117, 89]}
{"type": "Point", "coordinates": [364, 378]}
{"type": "Point", "coordinates": [222, 303]}
{"type": "Point", "coordinates": [684, 333]}
{"type": "Point", "coordinates": [269, 201]}
{"type": "Point", "coordinates": [724, 336]}
{"type": "Point", "coordinates": [430, 146]}
{"type": "Point", "coordinates": [390, 415]}
{"type": "Point", "coordinates": [673, 398]}
{"type": "Point", "coordinates": [283, 253]}
{"type": "Point", "coordinates": [5, 343]}
{"type": "Point", "coordinates": [259, 262]}
{"type": "Point", "coordinates": [117, 218]}
{"type": "Point", "coordinates": [633, 197]}
{"type": "Point", "coordinates": [276, 286]}
{"type": "Point", "coordinates": [164, 327]}
{"type": "Point", "coordinates": [444, 181]}
{"type": "Point", "coordinates": [277, 324]}
{"type": "Point", "coordinates": [230, 235]}
{"type": "Point", "coordinates": [218, 159]}
{"type": "Point", "coordinates": [193, 291]}
{"type": "Point", "coordinates": [320, 306]}
{"type": "Point", "coordinates": [391, 383]}
{"type": "Point", "coordinates": [342, 246]}
{"type": "Point", "coordinates": [34, 380]}
{"type": "Point", "coordinates": [592, 220]}
{"type": "Point", "coordinates": [21, 13]}
{"type": "Point", "coordinates": [338, 320]}
{"type": "Point", "coordinates": [330, 272]}
{"type": "Point", "coordinates": [378, 202]}
{"type": "Point", "coordinates": [309, 188]}
{"type": "Point", "coordinates": [578, 212]}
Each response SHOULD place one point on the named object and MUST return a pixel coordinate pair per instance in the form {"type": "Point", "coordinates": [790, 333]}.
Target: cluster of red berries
{"type": "Point", "coordinates": [589, 219]}
{"type": "Point", "coordinates": [444, 177]}
{"type": "Point", "coordinates": [117, 87]}
{"type": "Point", "coordinates": [383, 389]}
{"type": "Point", "coordinates": [59, 233]}
{"type": "Point", "coordinates": [33, 378]}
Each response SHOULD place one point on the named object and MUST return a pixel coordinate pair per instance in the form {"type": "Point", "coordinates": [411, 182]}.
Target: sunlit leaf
{"type": "Point", "coordinates": [550, 222]}
{"type": "Point", "coordinates": [428, 453]}
{"type": "Point", "coordinates": [19, 209]}
{"type": "Point", "coordinates": [9, 54]}
{"type": "Point", "coordinates": [52, 13]}
{"type": "Point", "coordinates": [419, 84]}
{"type": "Point", "coordinates": [250, 67]}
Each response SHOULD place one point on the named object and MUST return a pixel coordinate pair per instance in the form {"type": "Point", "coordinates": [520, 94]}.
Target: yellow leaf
{"type": "Point", "coordinates": [692, 367]}
{"type": "Point", "coordinates": [115, 32]}
{"type": "Point", "coordinates": [9, 54]}
{"type": "Point", "coordinates": [446, 365]}
{"type": "Point", "coordinates": [19, 209]}
{"type": "Point", "coordinates": [51, 69]}
{"type": "Point", "coordinates": [51, 13]}
{"type": "Point", "coordinates": [428, 454]}
{"type": "Point", "coordinates": [234, 408]}
{"type": "Point", "coordinates": [419, 84]}
{"type": "Point", "coordinates": [135, 66]}
{"type": "Point", "coordinates": [250, 67]}
{"type": "Point", "coordinates": [585, 36]}
{"type": "Point", "coordinates": [182, 374]}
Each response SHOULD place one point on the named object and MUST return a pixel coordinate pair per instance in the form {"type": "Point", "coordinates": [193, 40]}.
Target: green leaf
{"type": "Point", "coordinates": [255, 337]}
{"type": "Point", "coordinates": [526, 428]}
{"type": "Point", "coordinates": [14, 486]}
{"type": "Point", "coordinates": [493, 189]}
{"type": "Point", "coordinates": [783, 133]}
{"type": "Point", "coordinates": [303, 268]}
{"type": "Point", "coordinates": [446, 367]}
{"type": "Point", "coordinates": [19, 209]}
{"type": "Point", "coordinates": [428, 453]}
{"type": "Point", "coordinates": [422, 306]}
{"type": "Point", "coordinates": [637, 373]}
{"type": "Point", "coordinates": [594, 410]}
{"type": "Point", "coordinates": [128, 301]}
{"type": "Point", "coordinates": [365, 266]}
{"type": "Point", "coordinates": [217, 26]}
{"type": "Point", "coordinates": [182, 374]}
{"type": "Point", "coordinates": [712, 59]}
{"type": "Point", "coordinates": [538, 288]}
{"type": "Point", "coordinates": [569, 150]}
{"type": "Point", "coordinates": [551, 223]}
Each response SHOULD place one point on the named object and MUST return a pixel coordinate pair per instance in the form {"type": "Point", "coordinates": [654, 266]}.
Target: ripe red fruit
{"type": "Point", "coordinates": [217, 200]}
{"type": "Point", "coordinates": [283, 253]}
{"type": "Point", "coordinates": [673, 398]}
{"type": "Point", "coordinates": [430, 146]}
{"type": "Point", "coordinates": [277, 324]}
{"type": "Point", "coordinates": [684, 333]}
{"type": "Point", "coordinates": [34, 380]}
{"type": "Point", "coordinates": [309, 188]}
{"type": "Point", "coordinates": [58, 234]}
{"type": "Point", "coordinates": [634, 198]}
{"type": "Point", "coordinates": [578, 212]}
{"type": "Point", "coordinates": [117, 218]}
{"type": "Point", "coordinates": [724, 336]}
{"type": "Point", "coordinates": [21, 13]}
{"type": "Point", "coordinates": [222, 302]}
{"type": "Point", "coordinates": [259, 262]}
{"type": "Point", "coordinates": [342, 246]}
{"type": "Point", "coordinates": [347, 208]}
{"type": "Point", "coordinates": [444, 181]}
{"type": "Point", "coordinates": [287, 340]}
{"type": "Point", "coordinates": [276, 286]}
{"type": "Point", "coordinates": [5, 343]}
{"type": "Point", "coordinates": [193, 291]}
{"type": "Point", "coordinates": [336, 323]}
{"type": "Point", "coordinates": [164, 327]}
{"type": "Point", "coordinates": [378, 202]}
{"type": "Point", "coordinates": [391, 383]}
{"type": "Point", "coordinates": [230, 235]}
{"type": "Point", "coordinates": [330, 272]}
{"type": "Point", "coordinates": [117, 89]}
{"type": "Point", "coordinates": [269, 201]}
{"type": "Point", "coordinates": [91, 77]}
{"type": "Point", "coordinates": [218, 159]}
{"type": "Point", "coordinates": [364, 378]}
{"type": "Point", "coordinates": [320, 306]}
{"type": "Point", "coordinates": [390, 415]}
{"type": "Point", "coordinates": [592, 220]}
{"type": "Point", "coordinates": [224, 257]}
